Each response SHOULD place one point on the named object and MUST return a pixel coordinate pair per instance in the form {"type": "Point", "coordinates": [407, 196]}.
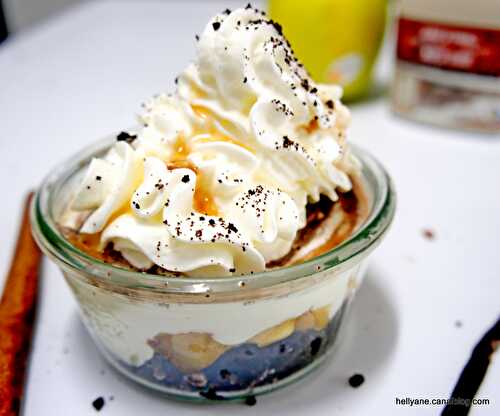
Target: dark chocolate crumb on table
{"type": "Point", "coordinates": [428, 234]}
{"type": "Point", "coordinates": [98, 403]}
{"type": "Point", "coordinates": [356, 380]}
{"type": "Point", "coordinates": [251, 401]}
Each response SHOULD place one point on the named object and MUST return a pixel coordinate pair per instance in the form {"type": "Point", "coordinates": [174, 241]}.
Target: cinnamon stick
{"type": "Point", "coordinates": [17, 315]}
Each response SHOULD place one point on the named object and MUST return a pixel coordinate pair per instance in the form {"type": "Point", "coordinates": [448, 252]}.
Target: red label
{"type": "Point", "coordinates": [449, 47]}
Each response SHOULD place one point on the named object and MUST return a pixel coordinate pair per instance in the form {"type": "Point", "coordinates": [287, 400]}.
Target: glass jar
{"type": "Point", "coordinates": [448, 64]}
{"type": "Point", "coordinates": [213, 338]}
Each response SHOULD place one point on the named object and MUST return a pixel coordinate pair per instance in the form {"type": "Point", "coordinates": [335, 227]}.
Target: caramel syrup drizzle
{"type": "Point", "coordinates": [91, 243]}
{"type": "Point", "coordinates": [345, 229]}
{"type": "Point", "coordinates": [203, 201]}
{"type": "Point", "coordinates": [354, 204]}
{"type": "Point", "coordinates": [312, 126]}
{"type": "Point", "coordinates": [213, 134]}
{"type": "Point", "coordinates": [88, 243]}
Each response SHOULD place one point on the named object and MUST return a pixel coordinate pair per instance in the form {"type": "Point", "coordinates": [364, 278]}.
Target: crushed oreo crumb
{"type": "Point", "coordinates": [211, 394]}
{"type": "Point", "coordinates": [126, 137]}
{"type": "Point", "coordinates": [315, 346]}
{"type": "Point", "coordinates": [216, 25]}
{"type": "Point", "coordinates": [277, 26]}
{"type": "Point", "coordinates": [305, 84]}
{"type": "Point", "coordinates": [356, 380]}
{"type": "Point", "coordinates": [251, 401]}
{"type": "Point", "coordinates": [185, 179]}
{"type": "Point", "coordinates": [224, 373]}
{"type": "Point", "coordinates": [98, 403]}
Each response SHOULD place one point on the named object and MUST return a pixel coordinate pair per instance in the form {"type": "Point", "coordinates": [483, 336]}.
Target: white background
{"type": "Point", "coordinates": [83, 75]}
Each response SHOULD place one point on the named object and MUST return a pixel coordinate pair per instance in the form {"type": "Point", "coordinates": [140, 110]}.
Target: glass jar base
{"type": "Point", "coordinates": [242, 371]}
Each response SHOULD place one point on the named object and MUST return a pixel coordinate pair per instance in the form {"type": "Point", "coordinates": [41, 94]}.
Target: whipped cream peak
{"type": "Point", "coordinates": [217, 178]}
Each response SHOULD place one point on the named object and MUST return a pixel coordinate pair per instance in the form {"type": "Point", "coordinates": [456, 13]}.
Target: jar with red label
{"type": "Point", "coordinates": [448, 63]}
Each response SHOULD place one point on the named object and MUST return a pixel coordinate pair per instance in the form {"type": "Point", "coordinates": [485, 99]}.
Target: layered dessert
{"type": "Point", "coordinates": [244, 169]}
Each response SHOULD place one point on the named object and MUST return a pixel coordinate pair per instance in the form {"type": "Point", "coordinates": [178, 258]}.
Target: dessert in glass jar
{"type": "Point", "coordinates": [214, 249]}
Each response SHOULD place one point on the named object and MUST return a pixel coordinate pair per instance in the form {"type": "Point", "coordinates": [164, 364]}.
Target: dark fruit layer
{"type": "Point", "coordinates": [244, 366]}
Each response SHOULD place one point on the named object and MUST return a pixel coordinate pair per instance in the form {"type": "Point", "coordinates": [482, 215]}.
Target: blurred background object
{"type": "Point", "coordinates": [3, 25]}
{"type": "Point", "coordinates": [447, 69]}
{"type": "Point", "coordinates": [448, 63]}
{"type": "Point", "coordinates": [338, 40]}
{"type": "Point", "coordinates": [21, 14]}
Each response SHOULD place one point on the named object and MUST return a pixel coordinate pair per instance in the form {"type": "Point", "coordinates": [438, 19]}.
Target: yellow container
{"type": "Point", "coordinates": [337, 40]}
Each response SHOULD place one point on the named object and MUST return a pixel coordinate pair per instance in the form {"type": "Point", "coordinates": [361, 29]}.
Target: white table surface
{"type": "Point", "coordinates": [83, 74]}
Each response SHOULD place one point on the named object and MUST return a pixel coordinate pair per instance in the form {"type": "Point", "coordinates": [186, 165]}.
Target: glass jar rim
{"type": "Point", "coordinates": [69, 257]}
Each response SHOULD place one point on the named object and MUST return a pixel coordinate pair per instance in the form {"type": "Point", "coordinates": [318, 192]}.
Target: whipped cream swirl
{"type": "Point", "coordinates": [216, 180]}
